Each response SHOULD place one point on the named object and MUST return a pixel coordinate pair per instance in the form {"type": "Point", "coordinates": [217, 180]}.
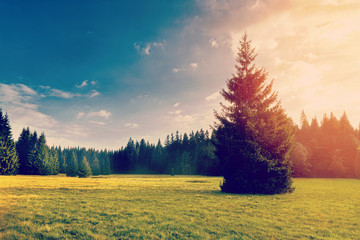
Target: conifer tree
{"type": "Point", "coordinates": [8, 156]}
{"type": "Point", "coordinates": [53, 161]}
{"type": "Point", "coordinates": [43, 156]}
{"type": "Point", "coordinates": [95, 166]}
{"type": "Point", "coordinates": [304, 122]}
{"type": "Point", "coordinates": [84, 168]}
{"type": "Point", "coordinates": [254, 136]}
{"type": "Point", "coordinates": [72, 169]}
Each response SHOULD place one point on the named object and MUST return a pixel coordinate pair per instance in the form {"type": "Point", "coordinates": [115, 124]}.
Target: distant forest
{"type": "Point", "coordinates": [329, 149]}
{"type": "Point", "coordinates": [326, 149]}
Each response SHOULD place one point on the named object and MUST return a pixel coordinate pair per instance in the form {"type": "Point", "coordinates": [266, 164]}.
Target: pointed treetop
{"type": "Point", "coordinates": [304, 122]}
{"type": "Point", "coordinates": [245, 57]}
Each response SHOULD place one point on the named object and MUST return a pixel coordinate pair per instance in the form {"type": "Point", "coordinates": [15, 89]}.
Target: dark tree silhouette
{"type": "Point", "coordinates": [254, 136]}
{"type": "Point", "coordinates": [8, 156]}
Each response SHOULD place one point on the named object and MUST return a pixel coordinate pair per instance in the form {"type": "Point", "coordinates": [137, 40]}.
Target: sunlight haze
{"type": "Point", "coordinates": [94, 74]}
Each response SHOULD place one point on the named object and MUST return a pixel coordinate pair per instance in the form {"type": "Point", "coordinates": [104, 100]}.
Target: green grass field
{"type": "Point", "coordinates": [164, 207]}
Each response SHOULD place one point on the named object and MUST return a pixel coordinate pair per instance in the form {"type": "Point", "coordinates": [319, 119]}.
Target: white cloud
{"type": "Point", "coordinates": [67, 95]}
{"type": "Point", "coordinates": [139, 98]}
{"type": "Point", "coordinates": [177, 112]}
{"type": "Point", "coordinates": [186, 122]}
{"type": "Point", "coordinates": [257, 4]}
{"type": "Point", "coordinates": [93, 82]}
{"type": "Point", "coordinates": [80, 115]}
{"type": "Point", "coordinates": [97, 122]}
{"type": "Point", "coordinates": [146, 50]}
{"type": "Point", "coordinates": [83, 84]}
{"type": "Point", "coordinates": [176, 70]}
{"type": "Point", "coordinates": [61, 94]}
{"type": "Point", "coordinates": [131, 125]}
{"type": "Point", "coordinates": [17, 94]}
{"type": "Point", "coordinates": [213, 96]}
{"type": "Point", "coordinates": [137, 46]}
{"type": "Point", "coordinates": [214, 43]}
{"type": "Point", "coordinates": [94, 93]}
{"type": "Point", "coordinates": [27, 90]}
{"type": "Point", "coordinates": [194, 66]}
{"type": "Point", "coordinates": [102, 114]}
{"type": "Point", "coordinates": [159, 45]}
{"type": "Point", "coordinates": [142, 49]}
{"type": "Point", "coordinates": [176, 104]}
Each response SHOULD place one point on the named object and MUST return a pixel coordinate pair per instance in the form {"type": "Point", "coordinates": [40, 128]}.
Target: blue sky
{"type": "Point", "coordinates": [95, 73]}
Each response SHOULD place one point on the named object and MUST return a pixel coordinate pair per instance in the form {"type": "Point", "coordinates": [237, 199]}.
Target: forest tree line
{"type": "Point", "coordinates": [328, 149]}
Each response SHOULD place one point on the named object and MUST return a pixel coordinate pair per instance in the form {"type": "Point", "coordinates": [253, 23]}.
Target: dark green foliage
{"type": "Point", "coordinates": [186, 154]}
{"type": "Point", "coordinates": [41, 160]}
{"type": "Point", "coordinates": [254, 136]}
{"type": "Point", "coordinates": [84, 168]}
{"type": "Point", "coordinates": [95, 165]}
{"type": "Point", "coordinates": [104, 161]}
{"type": "Point", "coordinates": [53, 161]}
{"type": "Point", "coordinates": [8, 156]}
{"type": "Point", "coordinates": [61, 160]}
{"type": "Point", "coordinates": [23, 147]}
{"type": "Point", "coordinates": [72, 169]}
{"type": "Point", "coordinates": [35, 157]}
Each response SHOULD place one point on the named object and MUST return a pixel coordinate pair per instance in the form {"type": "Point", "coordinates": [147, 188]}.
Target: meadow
{"type": "Point", "coordinates": [179, 207]}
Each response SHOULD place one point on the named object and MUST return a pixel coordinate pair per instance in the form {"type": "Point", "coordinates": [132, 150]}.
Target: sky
{"type": "Point", "coordinates": [95, 73]}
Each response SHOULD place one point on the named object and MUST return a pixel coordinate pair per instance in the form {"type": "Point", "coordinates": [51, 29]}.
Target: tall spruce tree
{"type": "Point", "coordinates": [84, 168]}
{"type": "Point", "coordinates": [254, 136]}
{"type": "Point", "coordinates": [72, 167]}
{"type": "Point", "coordinates": [95, 166]}
{"type": "Point", "coordinates": [8, 156]}
{"type": "Point", "coordinates": [23, 148]}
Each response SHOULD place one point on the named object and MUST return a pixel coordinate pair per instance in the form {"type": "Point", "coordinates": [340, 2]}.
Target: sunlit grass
{"type": "Point", "coordinates": [164, 207]}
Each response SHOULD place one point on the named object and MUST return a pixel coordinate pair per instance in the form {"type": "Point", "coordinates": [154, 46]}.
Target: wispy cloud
{"type": "Point", "coordinates": [100, 114]}
{"type": "Point", "coordinates": [176, 104]}
{"type": "Point", "coordinates": [214, 43]}
{"type": "Point", "coordinates": [17, 94]}
{"type": "Point", "coordinates": [131, 125]}
{"type": "Point", "coordinates": [22, 104]}
{"type": "Point", "coordinates": [97, 122]}
{"type": "Point", "coordinates": [83, 84]}
{"type": "Point", "coordinates": [194, 66]}
{"type": "Point", "coordinates": [139, 98]}
{"type": "Point", "coordinates": [94, 93]}
{"type": "Point", "coordinates": [159, 44]}
{"type": "Point", "coordinates": [53, 92]}
{"type": "Point", "coordinates": [176, 70]}
{"type": "Point", "coordinates": [177, 112]}
{"type": "Point", "coordinates": [146, 49]}
{"type": "Point", "coordinates": [26, 89]}
{"type": "Point", "coordinates": [80, 115]}
{"type": "Point", "coordinates": [213, 96]}
{"type": "Point", "coordinates": [61, 94]}
{"type": "Point", "coordinates": [142, 48]}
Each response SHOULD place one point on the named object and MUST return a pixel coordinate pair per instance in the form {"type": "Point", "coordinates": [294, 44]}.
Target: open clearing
{"type": "Point", "coordinates": [180, 207]}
